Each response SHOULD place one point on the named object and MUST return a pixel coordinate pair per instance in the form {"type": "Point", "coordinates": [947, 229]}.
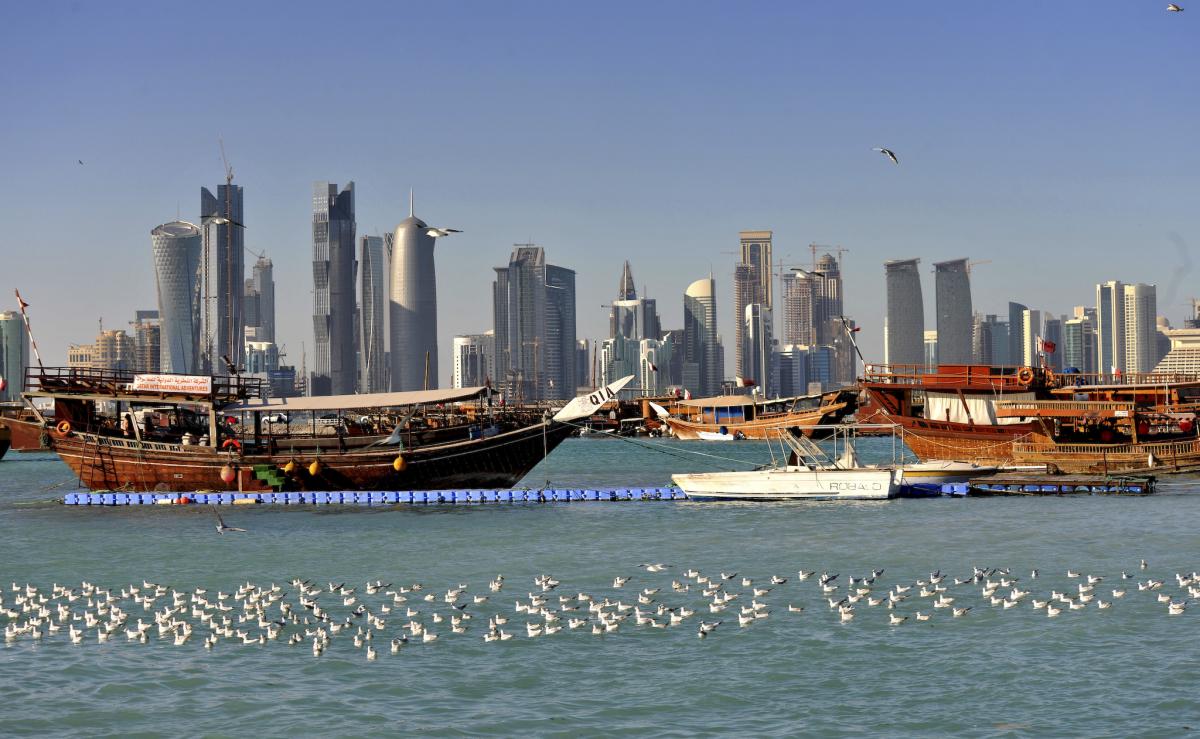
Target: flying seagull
{"type": "Point", "coordinates": [1174, 8]}
{"type": "Point", "coordinates": [888, 153]}
{"type": "Point", "coordinates": [438, 233]}
{"type": "Point", "coordinates": [221, 527]}
{"type": "Point", "coordinates": [81, 161]}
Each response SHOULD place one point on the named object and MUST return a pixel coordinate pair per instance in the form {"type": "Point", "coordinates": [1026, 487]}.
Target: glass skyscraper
{"type": "Point", "coordinates": [952, 284]}
{"type": "Point", "coordinates": [904, 325]}
{"type": "Point", "coordinates": [334, 267]}
{"type": "Point", "coordinates": [222, 272]}
{"type": "Point", "coordinates": [177, 252]}
{"type": "Point", "coordinates": [374, 374]}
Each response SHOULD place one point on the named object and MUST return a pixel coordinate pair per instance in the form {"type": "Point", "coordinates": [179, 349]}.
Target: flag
{"type": "Point", "coordinates": [1046, 345]}
{"type": "Point", "coordinates": [653, 367]}
{"type": "Point", "coordinates": [3, 384]}
{"type": "Point", "coordinates": [745, 382]}
{"type": "Point", "coordinates": [687, 394]}
{"type": "Point", "coordinates": [21, 301]}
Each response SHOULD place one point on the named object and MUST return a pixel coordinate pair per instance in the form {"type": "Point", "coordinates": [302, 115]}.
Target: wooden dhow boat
{"type": "Point", "coordinates": [1070, 422]}
{"type": "Point", "coordinates": [751, 417]}
{"type": "Point", "coordinates": [26, 431]}
{"type": "Point", "coordinates": [120, 431]}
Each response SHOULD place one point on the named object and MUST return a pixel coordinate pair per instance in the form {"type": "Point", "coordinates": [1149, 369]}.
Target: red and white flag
{"type": "Point", "coordinates": [1046, 345]}
{"type": "Point", "coordinates": [653, 367]}
{"type": "Point", "coordinates": [745, 382]}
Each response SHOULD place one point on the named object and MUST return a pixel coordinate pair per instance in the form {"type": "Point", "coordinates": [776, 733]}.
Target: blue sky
{"type": "Point", "coordinates": [1054, 139]}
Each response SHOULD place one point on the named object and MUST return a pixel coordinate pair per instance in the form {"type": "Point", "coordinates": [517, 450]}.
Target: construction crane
{"type": "Point", "coordinates": [822, 247]}
{"type": "Point", "coordinates": [975, 262]}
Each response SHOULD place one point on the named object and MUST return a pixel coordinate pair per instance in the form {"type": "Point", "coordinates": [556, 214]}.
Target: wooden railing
{"type": "Point", "coordinates": [1062, 405]}
{"type": "Point", "coordinates": [1162, 450]}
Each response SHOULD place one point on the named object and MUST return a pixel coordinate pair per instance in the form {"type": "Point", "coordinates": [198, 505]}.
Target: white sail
{"type": "Point", "coordinates": [585, 405]}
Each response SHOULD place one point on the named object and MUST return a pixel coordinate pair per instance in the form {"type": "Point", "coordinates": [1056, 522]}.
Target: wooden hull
{"type": "Point", "coordinates": [27, 436]}
{"type": "Point", "coordinates": [108, 463]}
{"type": "Point", "coordinates": [4, 442]}
{"type": "Point", "coordinates": [761, 428]}
{"type": "Point", "coordinates": [949, 441]}
{"type": "Point", "coordinates": [1106, 459]}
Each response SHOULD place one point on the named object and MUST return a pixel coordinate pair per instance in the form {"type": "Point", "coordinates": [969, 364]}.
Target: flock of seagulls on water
{"type": "Point", "coordinates": [393, 617]}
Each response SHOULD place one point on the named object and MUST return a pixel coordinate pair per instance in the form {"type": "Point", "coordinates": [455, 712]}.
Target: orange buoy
{"type": "Point", "coordinates": [314, 469]}
{"type": "Point", "coordinates": [183, 499]}
{"type": "Point", "coordinates": [290, 467]}
{"type": "Point", "coordinates": [63, 427]}
{"type": "Point", "coordinates": [227, 474]}
{"type": "Point", "coordinates": [399, 463]}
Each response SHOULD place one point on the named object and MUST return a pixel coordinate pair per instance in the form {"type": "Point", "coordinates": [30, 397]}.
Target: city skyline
{"type": "Point", "coordinates": [1048, 202]}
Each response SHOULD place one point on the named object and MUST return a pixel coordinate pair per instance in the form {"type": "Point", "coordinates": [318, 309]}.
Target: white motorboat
{"type": "Point", "coordinates": [940, 472]}
{"type": "Point", "coordinates": [807, 473]}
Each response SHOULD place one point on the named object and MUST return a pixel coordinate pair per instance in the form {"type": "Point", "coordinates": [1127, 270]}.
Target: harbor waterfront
{"type": "Point", "coordinates": [993, 672]}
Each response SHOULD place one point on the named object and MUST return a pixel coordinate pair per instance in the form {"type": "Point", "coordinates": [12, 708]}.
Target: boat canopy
{"type": "Point", "coordinates": [352, 402]}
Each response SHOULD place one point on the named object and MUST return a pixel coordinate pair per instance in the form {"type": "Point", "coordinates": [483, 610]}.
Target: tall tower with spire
{"type": "Point", "coordinates": [413, 305]}
{"type": "Point", "coordinates": [626, 290]}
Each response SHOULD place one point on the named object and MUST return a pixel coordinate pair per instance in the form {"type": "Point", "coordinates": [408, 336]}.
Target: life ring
{"type": "Point", "coordinates": [1025, 376]}
{"type": "Point", "coordinates": [232, 443]}
{"type": "Point", "coordinates": [63, 427]}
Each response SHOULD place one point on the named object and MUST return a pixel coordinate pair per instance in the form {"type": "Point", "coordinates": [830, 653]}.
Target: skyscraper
{"type": "Point", "coordinates": [560, 333]}
{"type": "Point", "coordinates": [1141, 331]}
{"type": "Point", "coordinates": [631, 317]}
{"type": "Point", "coordinates": [952, 284]}
{"type": "Point", "coordinates": [1079, 344]}
{"type": "Point", "coordinates": [222, 272]}
{"type": "Point", "coordinates": [756, 252]}
{"type": "Point", "coordinates": [626, 289]}
{"type": "Point", "coordinates": [1016, 333]}
{"type": "Point", "coordinates": [147, 342]}
{"type": "Point", "coordinates": [756, 333]}
{"type": "Point", "coordinates": [1031, 331]}
{"type": "Point", "coordinates": [473, 355]}
{"type": "Point", "coordinates": [904, 325]}
{"type": "Point", "coordinates": [413, 305]}
{"type": "Point", "coordinates": [827, 300]}
{"type": "Point", "coordinates": [702, 369]}
{"type": "Point", "coordinates": [747, 290]}
{"type": "Point", "coordinates": [1110, 327]}
{"type": "Point", "coordinates": [334, 270]}
{"type": "Point", "coordinates": [177, 250]}
{"type": "Point", "coordinates": [260, 302]}
{"type": "Point", "coordinates": [1052, 332]}
{"type": "Point", "coordinates": [14, 354]}
{"type": "Point", "coordinates": [373, 373]}
{"type": "Point", "coordinates": [533, 305]}
{"type": "Point", "coordinates": [798, 296]}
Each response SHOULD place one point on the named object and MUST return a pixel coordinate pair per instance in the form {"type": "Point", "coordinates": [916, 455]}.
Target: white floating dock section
{"type": "Point", "coordinates": [376, 497]}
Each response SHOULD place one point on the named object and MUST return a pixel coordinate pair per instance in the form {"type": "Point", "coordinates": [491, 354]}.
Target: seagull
{"type": "Point", "coordinates": [438, 233]}
{"type": "Point", "coordinates": [1170, 6]}
{"type": "Point", "coordinates": [221, 527]}
{"type": "Point", "coordinates": [888, 153]}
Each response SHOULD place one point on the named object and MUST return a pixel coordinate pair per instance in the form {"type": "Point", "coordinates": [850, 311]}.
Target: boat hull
{"type": "Point", "coordinates": [27, 435]}
{"type": "Point", "coordinates": [107, 463]}
{"type": "Point", "coordinates": [791, 483]}
{"type": "Point", "coordinates": [4, 441]}
{"type": "Point", "coordinates": [944, 472]}
{"type": "Point", "coordinates": [799, 424]}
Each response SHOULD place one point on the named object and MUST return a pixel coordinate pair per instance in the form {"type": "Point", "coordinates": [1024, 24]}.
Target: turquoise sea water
{"type": "Point", "coordinates": [1128, 670]}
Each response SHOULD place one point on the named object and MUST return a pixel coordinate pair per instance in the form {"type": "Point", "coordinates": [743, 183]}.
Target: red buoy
{"type": "Point", "coordinates": [227, 474]}
{"type": "Point", "coordinates": [1185, 426]}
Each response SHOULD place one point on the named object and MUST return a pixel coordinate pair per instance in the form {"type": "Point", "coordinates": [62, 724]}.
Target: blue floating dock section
{"type": "Point", "coordinates": [381, 497]}
{"type": "Point", "coordinates": [934, 490]}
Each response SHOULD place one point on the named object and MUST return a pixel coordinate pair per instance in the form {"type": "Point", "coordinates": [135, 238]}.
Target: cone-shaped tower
{"type": "Point", "coordinates": [413, 306]}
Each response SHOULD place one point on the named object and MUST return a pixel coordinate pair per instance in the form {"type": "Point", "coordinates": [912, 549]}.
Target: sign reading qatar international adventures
{"type": "Point", "coordinates": [179, 384]}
